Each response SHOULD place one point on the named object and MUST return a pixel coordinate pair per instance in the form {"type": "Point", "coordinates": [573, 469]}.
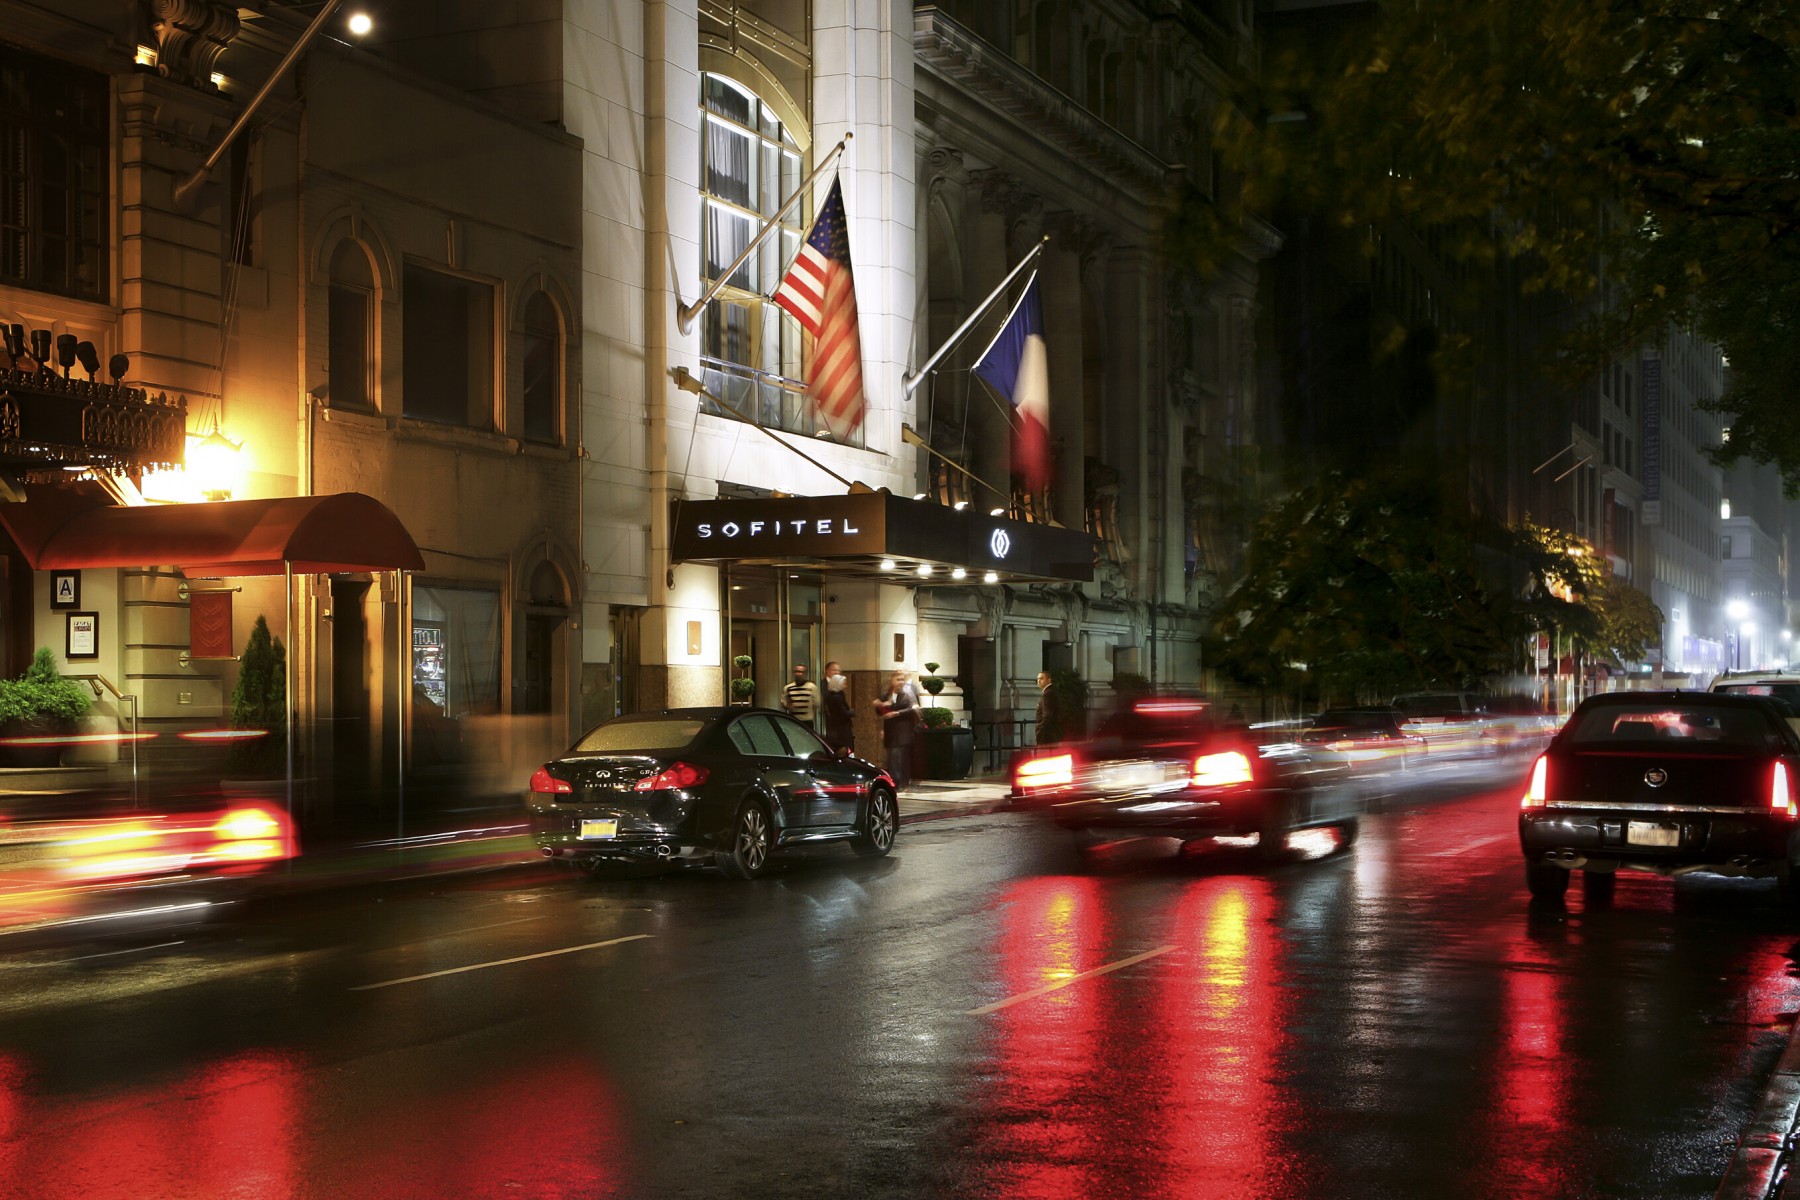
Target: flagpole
{"type": "Point", "coordinates": [691, 311]}
{"type": "Point", "coordinates": [685, 380]}
{"type": "Point", "coordinates": [910, 383]}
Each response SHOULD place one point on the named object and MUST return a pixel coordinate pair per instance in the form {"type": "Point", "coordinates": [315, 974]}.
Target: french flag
{"type": "Point", "coordinates": [1015, 365]}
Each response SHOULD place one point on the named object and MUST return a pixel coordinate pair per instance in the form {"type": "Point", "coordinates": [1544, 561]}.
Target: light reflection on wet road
{"type": "Point", "coordinates": [983, 1015]}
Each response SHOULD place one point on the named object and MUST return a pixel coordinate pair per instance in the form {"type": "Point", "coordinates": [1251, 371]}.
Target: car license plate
{"type": "Point", "coordinates": [1125, 777]}
{"type": "Point", "coordinates": [607, 828]}
{"type": "Point", "coordinates": [1646, 833]}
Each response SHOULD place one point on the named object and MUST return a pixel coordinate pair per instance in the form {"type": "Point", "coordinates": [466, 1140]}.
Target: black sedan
{"type": "Point", "coordinates": [1170, 767]}
{"type": "Point", "coordinates": [1666, 782]}
{"type": "Point", "coordinates": [727, 786]}
{"type": "Point", "coordinates": [1369, 740]}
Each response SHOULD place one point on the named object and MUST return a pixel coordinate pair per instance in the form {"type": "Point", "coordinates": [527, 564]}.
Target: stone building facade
{"type": "Point", "coordinates": [348, 297]}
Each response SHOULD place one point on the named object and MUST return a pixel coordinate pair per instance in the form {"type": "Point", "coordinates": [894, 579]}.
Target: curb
{"type": "Point", "coordinates": [1760, 1163]}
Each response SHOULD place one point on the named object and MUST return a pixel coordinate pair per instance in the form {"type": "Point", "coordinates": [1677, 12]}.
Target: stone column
{"type": "Point", "coordinates": [1062, 337]}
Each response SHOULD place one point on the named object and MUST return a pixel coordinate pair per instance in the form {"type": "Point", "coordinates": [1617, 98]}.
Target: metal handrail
{"type": "Point", "coordinates": [97, 682]}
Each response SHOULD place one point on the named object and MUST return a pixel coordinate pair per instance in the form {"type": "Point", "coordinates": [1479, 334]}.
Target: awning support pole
{"type": "Point", "coordinates": [287, 682]}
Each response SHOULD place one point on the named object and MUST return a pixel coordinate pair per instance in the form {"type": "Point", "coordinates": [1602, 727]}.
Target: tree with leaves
{"type": "Point", "coordinates": [1640, 159]}
{"type": "Point", "coordinates": [1357, 588]}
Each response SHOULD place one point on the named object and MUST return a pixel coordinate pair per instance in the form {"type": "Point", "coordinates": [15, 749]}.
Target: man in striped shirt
{"type": "Point", "coordinates": [801, 698]}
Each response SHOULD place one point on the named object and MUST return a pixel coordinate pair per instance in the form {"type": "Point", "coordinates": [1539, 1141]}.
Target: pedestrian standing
{"type": "Point", "coordinates": [1051, 720]}
{"type": "Point", "coordinates": [840, 733]}
{"type": "Point", "coordinates": [801, 697]}
{"type": "Point", "coordinates": [899, 710]}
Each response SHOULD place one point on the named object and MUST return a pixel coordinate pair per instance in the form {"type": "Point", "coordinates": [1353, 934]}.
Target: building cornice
{"type": "Point", "coordinates": [946, 49]}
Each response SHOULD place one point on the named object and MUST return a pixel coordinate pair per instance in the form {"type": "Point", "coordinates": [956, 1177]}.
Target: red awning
{"type": "Point", "coordinates": [59, 528]}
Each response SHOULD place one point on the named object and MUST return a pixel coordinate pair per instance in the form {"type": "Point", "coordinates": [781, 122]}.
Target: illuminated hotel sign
{"type": "Point", "coordinates": [733, 530]}
{"type": "Point", "coordinates": [861, 529]}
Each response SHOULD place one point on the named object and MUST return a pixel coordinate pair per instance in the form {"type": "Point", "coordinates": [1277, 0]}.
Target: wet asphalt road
{"type": "Point", "coordinates": [981, 1015]}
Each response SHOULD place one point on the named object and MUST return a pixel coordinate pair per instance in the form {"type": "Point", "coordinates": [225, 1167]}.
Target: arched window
{"type": "Point", "coordinates": [542, 362]}
{"type": "Point", "coordinates": [350, 312]}
{"type": "Point", "coordinates": [750, 348]}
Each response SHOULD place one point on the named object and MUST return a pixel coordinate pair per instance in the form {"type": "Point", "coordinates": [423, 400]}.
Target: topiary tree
{"type": "Point", "coordinates": [259, 702]}
{"type": "Point", "coordinates": [743, 688]}
{"type": "Point", "coordinates": [932, 682]}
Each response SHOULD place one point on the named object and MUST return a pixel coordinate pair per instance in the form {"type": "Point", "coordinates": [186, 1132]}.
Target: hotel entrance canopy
{"type": "Point", "coordinates": [881, 536]}
{"type": "Point", "coordinates": [58, 528]}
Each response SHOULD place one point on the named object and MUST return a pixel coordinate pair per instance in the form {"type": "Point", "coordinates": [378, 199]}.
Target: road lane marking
{"type": "Point", "coordinates": [499, 962]}
{"type": "Point", "coordinates": [997, 1005]}
{"type": "Point", "coordinates": [63, 962]}
{"type": "Point", "coordinates": [1470, 847]}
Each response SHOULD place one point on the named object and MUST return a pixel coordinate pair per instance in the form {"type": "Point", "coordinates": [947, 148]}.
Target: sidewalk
{"type": "Point", "coordinates": [487, 839]}
{"type": "Point", "coordinates": [927, 800]}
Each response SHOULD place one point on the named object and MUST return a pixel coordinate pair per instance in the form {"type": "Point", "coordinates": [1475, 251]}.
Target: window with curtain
{"type": "Point", "coordinates": [456, 650]}
{"type": "Point", "coordinates": [54, 145]}
{"type": "Point", "coordinates": [750, 348]}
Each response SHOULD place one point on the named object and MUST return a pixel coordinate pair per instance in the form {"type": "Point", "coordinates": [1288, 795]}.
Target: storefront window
{"type": "Point", "coordinates": [456, 651]}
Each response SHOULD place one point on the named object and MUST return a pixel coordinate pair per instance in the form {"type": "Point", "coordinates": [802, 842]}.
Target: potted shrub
{"type": "Point", "coordinates": [743, 688]}
{"type": "Point", "coordinates": [259, 704]}
{"type": "Point", "coordinates": [41, 703]}
{"type": "Point", "coordinates": [946, 749]}
{"type": "Point", "coordinates": [1072, 690]}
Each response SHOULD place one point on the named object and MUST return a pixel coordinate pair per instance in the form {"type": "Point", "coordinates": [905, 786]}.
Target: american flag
{"type": "Point", "coordinates": [821, 293]}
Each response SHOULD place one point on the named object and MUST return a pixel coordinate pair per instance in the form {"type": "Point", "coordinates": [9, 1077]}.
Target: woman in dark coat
{"type": "Point", "coordinates": [839, 721]}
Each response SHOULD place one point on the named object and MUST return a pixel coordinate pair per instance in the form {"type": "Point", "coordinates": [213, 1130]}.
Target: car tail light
{"type": "Point", "coordinates": [542, 781]}
{"type": "Point", "coordinates": [251, 833]}
{"type": "Point", "coordinates": [1535, 794]}
{"type": "Point", "coordinates": [1055, 770]}
{"type": "Point", "coordinates": [1781, 792]}
{"type": "Point", "coordinates": [1222, 769]}
{"type": "Point", "coordinates": [671, 778]}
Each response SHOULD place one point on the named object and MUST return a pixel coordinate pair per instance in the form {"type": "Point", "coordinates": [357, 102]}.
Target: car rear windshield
{"type": "Point", "coordinates": [1159, 720]}
{"type": "Point", "coordinates": [635, 735]}
{"type": "Point", "coordinates": [1781, 691]}
{"type": "Point", "coordinates": [1693, 723]}
{"type": "Point", "coordinates": [1352, 718]}
{"type": "Point", "coordinates": [1431, 706]}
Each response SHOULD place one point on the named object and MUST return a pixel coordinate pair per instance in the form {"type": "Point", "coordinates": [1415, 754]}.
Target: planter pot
{"type": "Point", "coordinates": [946, 753]}
{"type": "Point", "coordinates": [24, 753]}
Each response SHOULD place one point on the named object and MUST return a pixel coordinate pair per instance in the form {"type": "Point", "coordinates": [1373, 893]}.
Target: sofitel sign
{"type": "Point", "coordinates": [875, 525]}
{"type": "Point", "coordinates": [733, 530]}
{"type": "Point", "coordinates": [792, 525]}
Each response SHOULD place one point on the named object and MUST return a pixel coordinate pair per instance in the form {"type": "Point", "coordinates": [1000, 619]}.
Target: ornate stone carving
{"type": "Point", "coordinates": [1002, 193]}
{"type": "Point", "coordinates": [190, 37]}
{"type": "Point", "coordinates": [1076, 234]}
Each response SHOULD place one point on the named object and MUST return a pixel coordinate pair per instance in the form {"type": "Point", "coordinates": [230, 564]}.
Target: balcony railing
{"type": "Point", "coordinates": [50, 422]}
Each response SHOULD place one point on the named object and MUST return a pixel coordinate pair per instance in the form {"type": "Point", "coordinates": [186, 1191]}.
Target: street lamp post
{"type": "Point", "coordinates": [1737, 610]}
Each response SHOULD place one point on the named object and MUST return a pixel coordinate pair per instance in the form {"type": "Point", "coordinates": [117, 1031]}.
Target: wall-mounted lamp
{"type": "Point", "coordinates": [213, 463]}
